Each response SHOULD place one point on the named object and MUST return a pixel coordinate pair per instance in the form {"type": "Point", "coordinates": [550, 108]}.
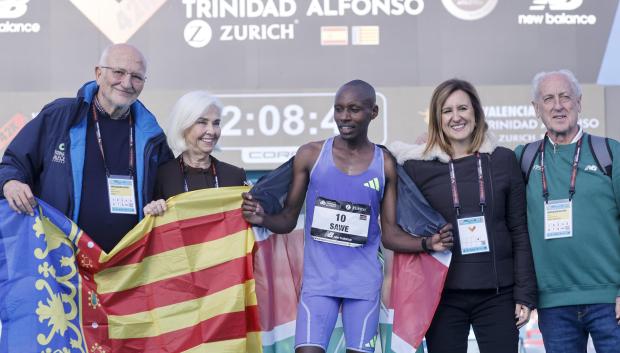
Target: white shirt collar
{"type": "Point", "coordinates": [575, 139]}
{"type": "Point", "coordinates": [578, 135]}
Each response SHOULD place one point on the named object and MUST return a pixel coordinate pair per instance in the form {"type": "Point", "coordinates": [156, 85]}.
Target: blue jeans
{"type": "Point", "coordinates": [565, 329]}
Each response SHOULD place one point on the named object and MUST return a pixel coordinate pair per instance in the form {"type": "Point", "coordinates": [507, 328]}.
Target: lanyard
{"type": "Point", "coordinates": [213, 171]}
{"type": "Point", "coordinates": [100, 142]}
{"type": "Point", "coordinates": [455, 193]}
{"type": "Point", "coordinates": [573, 174]}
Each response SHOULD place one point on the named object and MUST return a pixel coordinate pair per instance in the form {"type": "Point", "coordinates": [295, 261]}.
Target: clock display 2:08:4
{"type": "Point", "coordinates": [270, 120]}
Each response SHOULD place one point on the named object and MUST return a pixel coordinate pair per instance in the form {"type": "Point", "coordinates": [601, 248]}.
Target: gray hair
{"type": "Point", "coordinates": [125, 49]}
{"type": "Point", "coordinates": [539, 77]}
{"type": "Point", "coordinates": [184, 114]}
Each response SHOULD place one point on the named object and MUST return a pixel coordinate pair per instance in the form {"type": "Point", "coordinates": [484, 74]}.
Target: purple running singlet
{"type": "Point", "coordinates": [342, 232]}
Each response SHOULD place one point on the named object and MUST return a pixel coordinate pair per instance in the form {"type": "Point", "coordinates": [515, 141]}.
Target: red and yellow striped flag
{"type": "Point", "coordinates": [181, 282]}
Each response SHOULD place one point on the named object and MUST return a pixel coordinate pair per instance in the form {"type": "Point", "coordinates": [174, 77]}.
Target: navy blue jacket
{"type": "Point", "coordinates": [48, 153]}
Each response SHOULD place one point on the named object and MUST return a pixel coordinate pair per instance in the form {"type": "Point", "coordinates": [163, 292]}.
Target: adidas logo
{"type": "Point", "coordinates": [373, 184]}
{"type": "Point", "coordinates": [372, 342]}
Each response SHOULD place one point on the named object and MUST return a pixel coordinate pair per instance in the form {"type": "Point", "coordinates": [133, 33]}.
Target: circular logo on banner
{"type": "Point", "coordinates": [469, 10]}
{"type": "Point", "coordinates": [197, 33]}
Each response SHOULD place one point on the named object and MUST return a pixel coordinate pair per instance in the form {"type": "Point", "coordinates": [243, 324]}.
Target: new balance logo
{"type": "Point", "coordinates": [373, 184]}
{"type": "Point", "coordinates": [591, 168]}
{"type": "Point", "coordinates": [555, 5]}
{"type": "Point", "coordinates": [13, 8]}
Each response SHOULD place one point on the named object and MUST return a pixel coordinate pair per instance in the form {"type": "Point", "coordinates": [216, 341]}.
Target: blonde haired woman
{"type": "Point", "coordinates": [478, 187]}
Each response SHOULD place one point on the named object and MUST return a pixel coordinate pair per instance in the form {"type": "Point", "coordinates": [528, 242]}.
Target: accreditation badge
{"type": "Point", "coordinates": [121, 194]}
{"type": "Point", "coordinates": [558, 219]}
{"type": "Point", "coordinates": [340, 222]}
{"type": "Point", "coordinates": [473, 235]}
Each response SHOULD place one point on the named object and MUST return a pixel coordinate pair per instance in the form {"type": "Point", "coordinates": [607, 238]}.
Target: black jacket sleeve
{"type": "Point", "coordinates": [525, 288]}
{"type": "Point", "coordinates": [162, 154]}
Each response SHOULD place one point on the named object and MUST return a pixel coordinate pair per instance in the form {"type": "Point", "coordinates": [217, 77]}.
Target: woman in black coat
{"type": "Point", "coordinates": [478, 187]}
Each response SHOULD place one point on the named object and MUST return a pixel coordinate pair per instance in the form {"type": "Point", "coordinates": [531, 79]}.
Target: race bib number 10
{"type": "Point", "coordinates": [340, 222]}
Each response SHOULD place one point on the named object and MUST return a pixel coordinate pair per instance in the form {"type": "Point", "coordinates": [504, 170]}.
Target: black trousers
{"type": "Point", "coordinates": [491, 315]}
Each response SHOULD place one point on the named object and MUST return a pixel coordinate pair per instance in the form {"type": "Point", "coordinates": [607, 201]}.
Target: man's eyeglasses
{"type": "Point", "coordinates": [119, 74]}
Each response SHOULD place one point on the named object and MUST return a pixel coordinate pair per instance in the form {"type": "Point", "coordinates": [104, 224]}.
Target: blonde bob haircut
{"type": "Point", "coordinates": [436, 136]}
{"type": "Point", "coordinates": [185, 112]}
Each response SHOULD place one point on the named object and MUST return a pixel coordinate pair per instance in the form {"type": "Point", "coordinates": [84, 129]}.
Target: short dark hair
{"type": "Point", "coordinates": [365, 87]}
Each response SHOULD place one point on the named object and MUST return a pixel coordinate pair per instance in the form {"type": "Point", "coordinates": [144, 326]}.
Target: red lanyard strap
{"type": "Point", "coordinates": [455, 193]}
{"type": "Point", "coordinates": [573, 174]}
{"type": "Point", "coordinates": [213, 171]}
{"type": "Point", "coordinates": [100, 142]}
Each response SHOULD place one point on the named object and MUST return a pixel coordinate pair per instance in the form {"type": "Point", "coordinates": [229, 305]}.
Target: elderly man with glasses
{"type": "Point", "coordinates": [93, 157]}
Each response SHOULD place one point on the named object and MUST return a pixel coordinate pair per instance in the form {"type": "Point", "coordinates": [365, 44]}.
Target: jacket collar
{"type": "Point", "coordinates": [403, 151]}
{"type": "Point", "coordinates": [87, 91]}
{"type": "Point", "coordinates": [145, 121]}
{"type": "Point", "coordinates": [575, 139]}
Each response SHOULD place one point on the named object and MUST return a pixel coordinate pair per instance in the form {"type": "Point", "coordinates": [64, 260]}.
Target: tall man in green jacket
{"type": "Point", "coordinates": [573, 212]}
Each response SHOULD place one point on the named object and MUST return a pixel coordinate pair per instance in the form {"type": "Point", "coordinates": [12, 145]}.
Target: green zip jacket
{"type": "Point", "coordinates": [583, 269]}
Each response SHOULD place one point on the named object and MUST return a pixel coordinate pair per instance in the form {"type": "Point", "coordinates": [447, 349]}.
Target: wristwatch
{"type": "Point", "coordinates": [425, 246]}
